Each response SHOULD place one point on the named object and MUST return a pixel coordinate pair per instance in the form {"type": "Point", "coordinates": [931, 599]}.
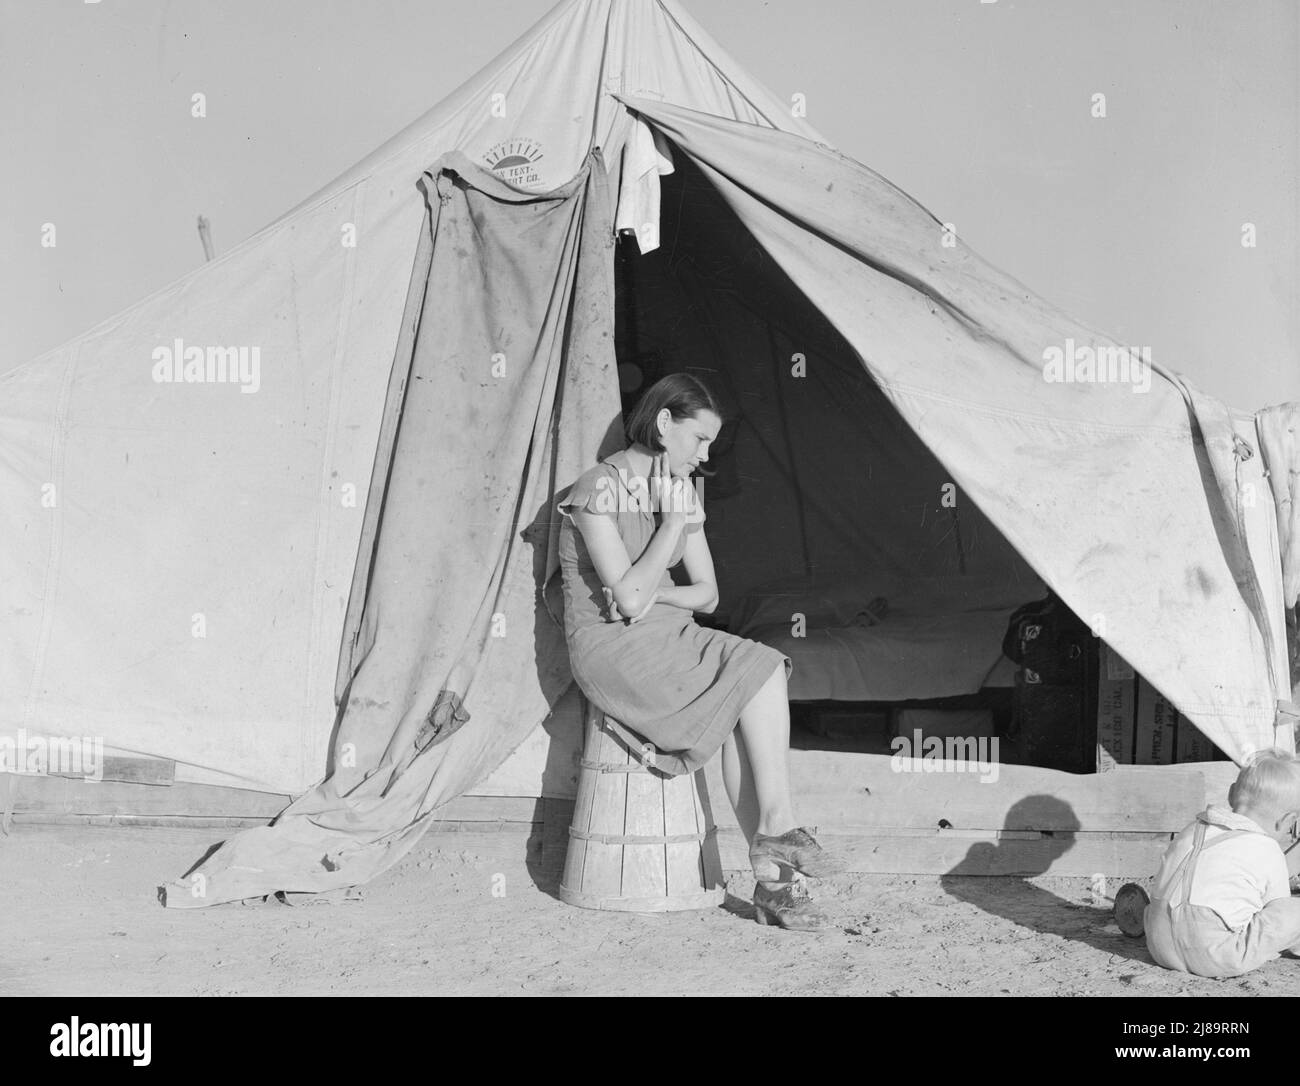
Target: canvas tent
{"type": "Point", "coordinates": [198, 563]}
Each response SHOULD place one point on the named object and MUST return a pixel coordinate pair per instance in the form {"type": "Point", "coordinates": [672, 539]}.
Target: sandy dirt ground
{"type": "Point", "coordinates": [467, 914]}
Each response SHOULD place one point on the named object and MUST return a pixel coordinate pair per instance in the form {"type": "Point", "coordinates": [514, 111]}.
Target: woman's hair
{"type": "Point", "coordinates": [684, 396]}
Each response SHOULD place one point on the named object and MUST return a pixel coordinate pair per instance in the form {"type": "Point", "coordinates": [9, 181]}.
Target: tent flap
{"type": "Point", "coordinates": [508, 394]}
{"type": "Point", "coordinates": [1097, 483]}
{"type": "Point", "coordinates": [1279, 440]}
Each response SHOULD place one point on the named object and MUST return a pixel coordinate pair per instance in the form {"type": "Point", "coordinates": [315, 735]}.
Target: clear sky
{"type": "Point", "coordinates": [979, 110]}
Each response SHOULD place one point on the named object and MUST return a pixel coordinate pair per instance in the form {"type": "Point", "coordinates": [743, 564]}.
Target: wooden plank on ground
{"type": "Point", "coordinates": [197, 832]}
{"type": "Point", "coordinates": [35, 795]}
{"type": "Point", "coordinates": [1117, 855]}
{"type": "Point", "coordinates": [50, 821]}
{"type": "Point", "coordinates": [1218, 777]}
{"type": "Point", "coordinates": [846, 790]}
{"type": "Point", "coordinates": [131, 770]}
{"type": "Point", "coordinates": [525, 809]}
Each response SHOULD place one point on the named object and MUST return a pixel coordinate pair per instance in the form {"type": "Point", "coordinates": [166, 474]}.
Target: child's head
{"type": "Point", "coordinates": [1267, 788]}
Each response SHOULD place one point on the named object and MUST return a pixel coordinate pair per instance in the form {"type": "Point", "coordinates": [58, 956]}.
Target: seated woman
{"type": "Point", "coordinates": [638, 654]}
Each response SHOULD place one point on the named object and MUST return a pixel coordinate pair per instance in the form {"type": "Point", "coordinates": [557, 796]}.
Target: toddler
{"type": "Point", "coordinates": [1222, 902]}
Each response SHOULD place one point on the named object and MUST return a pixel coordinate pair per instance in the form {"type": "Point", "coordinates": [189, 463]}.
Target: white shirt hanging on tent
{"type": "Point", "coordinates": [646, 158]}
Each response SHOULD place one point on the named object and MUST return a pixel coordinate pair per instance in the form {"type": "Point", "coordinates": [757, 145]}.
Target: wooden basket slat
{"type": "Point", "coordinates": [640, 841]}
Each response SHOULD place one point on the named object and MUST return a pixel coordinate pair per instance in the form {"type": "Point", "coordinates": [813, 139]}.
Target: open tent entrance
{"type": "Point", "coordinates": [837, 535]}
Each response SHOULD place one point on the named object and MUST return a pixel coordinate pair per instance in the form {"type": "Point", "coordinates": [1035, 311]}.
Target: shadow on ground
{"type": "Point", "coordinates": [1015, 898]}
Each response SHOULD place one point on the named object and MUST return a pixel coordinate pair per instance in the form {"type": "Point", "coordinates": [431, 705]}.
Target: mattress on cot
{"type": "Point", "coordinates": [940, 637]}
{"type": "Point", "coordinates": [914, 656]}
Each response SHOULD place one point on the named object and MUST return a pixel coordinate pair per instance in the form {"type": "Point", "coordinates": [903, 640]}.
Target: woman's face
{"type": "Point", "coordinates": [687, 442]}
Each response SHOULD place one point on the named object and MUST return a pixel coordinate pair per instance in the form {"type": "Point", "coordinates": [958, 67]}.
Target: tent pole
{"type": "Point", "coordinates": [205, 236]}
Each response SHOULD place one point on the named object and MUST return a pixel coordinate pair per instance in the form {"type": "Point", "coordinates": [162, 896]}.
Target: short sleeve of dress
{"type": "Point", "coordinates": [593, 492]}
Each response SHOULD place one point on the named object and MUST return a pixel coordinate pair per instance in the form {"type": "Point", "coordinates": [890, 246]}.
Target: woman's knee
{"type": "Point", "coordinates": [771, 697]}
{"type": "Point", "coordinates": [776, 691]}
{"type": "Point", "coordinates": [776, 682]}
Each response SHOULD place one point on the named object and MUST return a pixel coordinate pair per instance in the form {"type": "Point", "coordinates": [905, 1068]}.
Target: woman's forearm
{"type": "Point", "coordinates": [694, 597]}
{"type": "Point", "coordinates": [645, 575]}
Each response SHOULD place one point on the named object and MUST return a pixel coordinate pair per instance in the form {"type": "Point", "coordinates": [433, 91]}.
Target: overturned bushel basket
{"type": "Point", "coordinates": [641, 841]}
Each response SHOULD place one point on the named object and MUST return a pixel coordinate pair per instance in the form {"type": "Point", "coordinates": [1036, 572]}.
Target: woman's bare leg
{"type": "Point", "coordinates": [765, 732]}
{"type": "Point", "coordinates": [755, 763]}
{"type": "Point", "coordinates": [738, 779]}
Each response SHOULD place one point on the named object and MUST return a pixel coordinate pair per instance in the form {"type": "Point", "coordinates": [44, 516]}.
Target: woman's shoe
{"type": "Point", "coordinates": [795, 848]}
{"type": "Point", "coordinates": [787, 906]}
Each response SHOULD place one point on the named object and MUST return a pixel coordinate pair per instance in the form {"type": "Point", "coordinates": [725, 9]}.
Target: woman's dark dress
{"type": "Point", "coordinates": [678, 684]}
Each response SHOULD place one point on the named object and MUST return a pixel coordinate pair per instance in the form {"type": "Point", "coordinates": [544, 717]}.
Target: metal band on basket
{"type": "Point", "coordinates": [640, 749]}
{"type": "Point", "coordinates": [615, 767]}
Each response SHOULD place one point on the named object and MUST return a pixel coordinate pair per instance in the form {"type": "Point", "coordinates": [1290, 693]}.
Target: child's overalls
{"type": "Point", "coordinates": [1195, 939]}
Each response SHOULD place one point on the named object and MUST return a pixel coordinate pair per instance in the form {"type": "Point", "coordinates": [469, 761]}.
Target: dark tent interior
{"type": "Point", "coordinates": [821, 500]}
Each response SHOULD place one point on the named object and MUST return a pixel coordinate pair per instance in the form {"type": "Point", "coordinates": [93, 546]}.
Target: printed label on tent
{"type": "Point", "coordinates": [515, 162]}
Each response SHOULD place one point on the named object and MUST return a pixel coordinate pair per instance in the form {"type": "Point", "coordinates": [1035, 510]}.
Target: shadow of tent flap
{"type": "Point", "coordinates": [446, 718]}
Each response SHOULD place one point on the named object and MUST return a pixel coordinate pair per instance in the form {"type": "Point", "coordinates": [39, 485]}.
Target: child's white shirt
{"type": "Point", "coordinates": [1237, 878]}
